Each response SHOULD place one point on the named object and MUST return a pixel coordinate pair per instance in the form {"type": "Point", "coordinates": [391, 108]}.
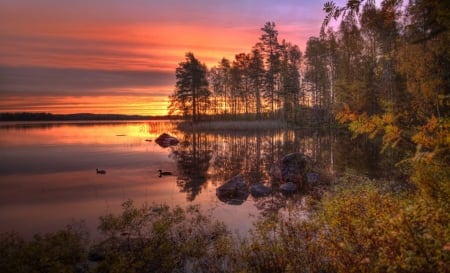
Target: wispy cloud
{"type": "Point", "coordinates": [126, 104]}
{"type": "Point", "coordinates": [80, 49]}
{"type": "Point", "coordinates": [79, 82]}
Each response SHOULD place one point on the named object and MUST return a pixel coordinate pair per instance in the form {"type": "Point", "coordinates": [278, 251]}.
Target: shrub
{"type": "Point", "coordinates": [156, 238]}
{"type": "Point", "coordinates": [368, 230]}
{"type": "Point", "coordinates": [63, 252]}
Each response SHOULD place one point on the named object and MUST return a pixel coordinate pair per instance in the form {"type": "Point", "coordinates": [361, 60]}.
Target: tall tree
{"type": "Point", "coordinates": [241, 81]}
{"type": "Point", "coordinates": [215, 84]}
{"type": "Point", "coordinates": [291, 57]}
{"type": "Point", "coordinates": [270, 49]}
{"type": "Point", "coordinates": [317, 71]}
{"type": "Point", "coordinates": [256, 73]}
{"type": "Point", "coordinates": [220, 77]}
{"type": "Point", "coordinates": [416, 58]}
{"type": "Point", "coordinates": [349, 81]}
{"type": "Point", "coordinates": [191, 90]}
{"type": "Point", "coordinates": [428, 78]}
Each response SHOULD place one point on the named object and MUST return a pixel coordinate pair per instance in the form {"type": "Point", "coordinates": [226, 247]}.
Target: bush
{"type": "Point", "coordinates": [359, 226]}
{"type": "Point", "coordinates": [156, 238]}
{"type": "Point", "coordinates": [277, 245]}
{"type": "Point", "coordinates": [62, 252]}
{"type": "Point", "coordinates": [368, 230]}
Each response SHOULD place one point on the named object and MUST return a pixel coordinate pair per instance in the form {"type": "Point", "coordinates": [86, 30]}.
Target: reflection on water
{"type": "Point", "coordinates": [212, 158]}
{"type": "Point", "coordinates": [48, 171]}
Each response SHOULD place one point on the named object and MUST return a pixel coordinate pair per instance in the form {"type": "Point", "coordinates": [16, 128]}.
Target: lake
{"type": "Point", "coordinates": [48, 175]}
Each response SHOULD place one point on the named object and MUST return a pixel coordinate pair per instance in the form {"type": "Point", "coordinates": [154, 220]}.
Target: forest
{"type": "Point", "coordinates": [367, 68]}
{"type": "Point", "coordinates": [384, 75]}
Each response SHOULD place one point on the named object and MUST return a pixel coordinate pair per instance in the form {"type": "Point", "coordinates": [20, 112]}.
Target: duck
{"type": "Point", "coordinates": [161, 173]}
{"type": "Point", "coordinates": [100, 171]}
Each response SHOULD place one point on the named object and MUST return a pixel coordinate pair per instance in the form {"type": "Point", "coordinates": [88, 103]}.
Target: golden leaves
{"type": "Point", "coordinates": [374, 125]}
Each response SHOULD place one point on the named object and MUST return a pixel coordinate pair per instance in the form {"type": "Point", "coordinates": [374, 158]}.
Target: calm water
{"type": "Point", "coordinates": [48, 173]}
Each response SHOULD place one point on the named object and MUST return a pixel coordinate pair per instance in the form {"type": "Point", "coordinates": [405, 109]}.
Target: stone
{"type": "Point", "coordinates": [312, 178]}
{"type": "Point", "coordinates": [234, 191]}
{"type": "Point", "coordinates": [288, 187]}
{"type": "Point", "coordinates": [292, 168]}
{"type": "Point", "coordinates": [166, 140]}
{"type": "Point", "coordinates": [260, 190]}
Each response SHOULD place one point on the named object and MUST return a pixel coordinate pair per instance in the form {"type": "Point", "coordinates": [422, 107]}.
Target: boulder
{"type": "Point", "coordinates": [312, 178]}
{"type": "Point", "coordinates": [292, 168]}
{"type": "Point", "coordinates": [166, 140]}
{"type": "Point", "coordinates": [260, 190]}
{"type": "Point", "coordinates": [234, 191]}
{"type": "Point", "coordinates": [288, 188]}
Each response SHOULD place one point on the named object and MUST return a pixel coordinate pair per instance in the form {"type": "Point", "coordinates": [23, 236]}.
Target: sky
{"type": "Point", "coordinates": [120, 56]}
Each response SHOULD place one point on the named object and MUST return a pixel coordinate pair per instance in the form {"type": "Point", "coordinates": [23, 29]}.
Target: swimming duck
{"type": "Point", "coordinates": [161, 173]}
{"type": "Point", "coordinates": [100, 171]}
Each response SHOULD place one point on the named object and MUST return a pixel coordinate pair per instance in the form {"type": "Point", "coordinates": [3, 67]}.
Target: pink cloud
{"type": "Point", "coordinates": [65, 37]}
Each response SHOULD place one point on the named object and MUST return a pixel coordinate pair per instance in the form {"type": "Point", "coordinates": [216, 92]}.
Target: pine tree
{"type": "Point", "coordinates": [191, 95]}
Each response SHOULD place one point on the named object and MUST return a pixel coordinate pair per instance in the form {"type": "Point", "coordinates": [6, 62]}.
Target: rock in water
{"type": "Point", "coordinates": [292, 168]}
{"type": "Point", "coordinates": [288, 187]}
{"type": "Point", "coordinates": [259, 190]}
{"type": "Point", "coordinates": [166, 140]}
{"type": "Point", "coordinates": [234, 191]}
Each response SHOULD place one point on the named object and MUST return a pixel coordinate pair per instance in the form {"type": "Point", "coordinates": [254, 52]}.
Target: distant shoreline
{"type": "Point", "coordinates": [29, 116]}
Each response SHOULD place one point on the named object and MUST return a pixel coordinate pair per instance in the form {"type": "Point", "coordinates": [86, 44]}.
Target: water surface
{"type": "Point", "coordinates": [48, 173]}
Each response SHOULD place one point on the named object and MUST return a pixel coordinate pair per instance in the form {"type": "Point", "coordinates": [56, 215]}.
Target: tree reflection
{"type": "Point", "coordinates": [193, 157]}
{"type": "Point", "coordinates": [215, 157]}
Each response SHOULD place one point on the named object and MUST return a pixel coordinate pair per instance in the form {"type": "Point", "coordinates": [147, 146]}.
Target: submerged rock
{"type": "Point", "coordinates": [166, 140]}
{"type": "Point", "coordinates": [260, 190]}
{"type": "Point", "coordinates": [292, 168]}
{"type": "Point", "coordinates": [234, 191]}
{"type": "Point", "coordinates": [288, 188]}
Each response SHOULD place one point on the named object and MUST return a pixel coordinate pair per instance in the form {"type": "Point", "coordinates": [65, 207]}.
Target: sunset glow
{"type": "Point", "coordinates": [132, 105]}
{"type": "Point", "coordinates": [120, 56]}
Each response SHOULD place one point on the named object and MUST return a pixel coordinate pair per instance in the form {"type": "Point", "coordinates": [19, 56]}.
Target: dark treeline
{"type": "Point", "coordinates": [390, 59]}
{"type": "Point", "coordinates": [264, 83]}
{"type": "Point", "coordinates": [31, 116]}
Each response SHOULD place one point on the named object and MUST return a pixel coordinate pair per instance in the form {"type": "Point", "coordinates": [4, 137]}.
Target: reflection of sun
{"type": "Point", "coordinates": [85, 133]}
{"type": "Point", "coordinates": [137, 105]}
{"type": "Point", "coordinates": [127, 105]}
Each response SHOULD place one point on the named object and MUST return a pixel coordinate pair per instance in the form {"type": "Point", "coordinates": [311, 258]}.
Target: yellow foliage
{"type": "Point", "coordinates": [371, 231]}
{"type": "Point", "coordinates": [433, 134]}
{"type": "Point", "coordinates": [392, 136]}
{"type": "Point", "coordinates": [346, 115]}
{"type": "Point", "coordinates": [388, 118]}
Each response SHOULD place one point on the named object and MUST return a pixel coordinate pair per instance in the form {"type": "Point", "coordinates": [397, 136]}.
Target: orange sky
{"type": "Point", "coordinates": [115, 56]}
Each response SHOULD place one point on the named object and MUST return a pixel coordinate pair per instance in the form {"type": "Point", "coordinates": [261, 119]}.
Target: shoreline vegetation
{"type": "Point", "coordinates": [359, 225]}
{"type": "Point", "coordinates": [209, 123]}
{"type": "Point", "coordinates": [227, 125]}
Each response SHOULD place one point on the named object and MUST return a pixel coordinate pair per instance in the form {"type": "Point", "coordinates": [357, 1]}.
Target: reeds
{"type": "Point", "coordinates": [253, 125]}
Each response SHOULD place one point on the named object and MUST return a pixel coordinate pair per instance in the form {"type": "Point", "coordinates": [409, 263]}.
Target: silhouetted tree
{"type": "Point", "coordinates": [191, 96]}
{"type": "Point", "coordinates": [270, 50]}
{"type": "Point", "coordinates": [290, 79]}
{"type": "Point", "coordinates": [220, 77]}
{"type": "Point", "coordinates": [256, 73]}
